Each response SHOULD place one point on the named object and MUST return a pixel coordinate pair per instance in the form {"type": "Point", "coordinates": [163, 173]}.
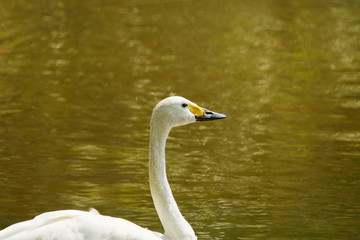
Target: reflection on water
{"type": "Point", "coordinates": [79, 80]}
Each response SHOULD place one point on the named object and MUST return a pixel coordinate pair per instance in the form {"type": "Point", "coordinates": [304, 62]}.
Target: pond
{"type": "Point", "coordinates": [79, 80]}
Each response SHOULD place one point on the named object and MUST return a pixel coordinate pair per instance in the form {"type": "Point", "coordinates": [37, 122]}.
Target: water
{"type": "Point", "coordinates": [78, 81]}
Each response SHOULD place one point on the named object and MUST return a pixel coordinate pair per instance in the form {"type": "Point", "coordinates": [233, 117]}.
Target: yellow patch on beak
{"type": "Point", "coordinates": [195, 109]}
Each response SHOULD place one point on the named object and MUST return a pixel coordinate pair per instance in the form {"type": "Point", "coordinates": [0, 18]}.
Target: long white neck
{"type": "Point", "coordinates": [175, 225]}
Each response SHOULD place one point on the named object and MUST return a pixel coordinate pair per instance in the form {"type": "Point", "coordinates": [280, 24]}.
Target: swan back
{"type": "Point", "coordinates": [77, 225]}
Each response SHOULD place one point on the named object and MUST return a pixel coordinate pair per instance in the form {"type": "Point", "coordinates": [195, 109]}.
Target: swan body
{"type": "Point", "coordinates": [76, 225]}
{"type": "Point", "coordinates": [82, 225]}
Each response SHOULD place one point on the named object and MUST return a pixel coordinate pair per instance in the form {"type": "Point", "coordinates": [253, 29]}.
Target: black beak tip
{"type": "Point", "coordinates": [222, 116]}
{"type": "Point", "coordinates": [210, 116]}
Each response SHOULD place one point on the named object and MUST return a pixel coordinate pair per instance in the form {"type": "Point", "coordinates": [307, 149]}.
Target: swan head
{"type": "Point", "coordinates": [176, 111]}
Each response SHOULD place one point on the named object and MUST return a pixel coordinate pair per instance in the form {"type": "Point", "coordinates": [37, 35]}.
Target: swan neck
{"type": "Point", "coordinates": [175, 225]}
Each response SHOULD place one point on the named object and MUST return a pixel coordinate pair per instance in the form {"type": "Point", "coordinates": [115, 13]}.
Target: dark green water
{"type": "Point", "coordinates": [79, 79]}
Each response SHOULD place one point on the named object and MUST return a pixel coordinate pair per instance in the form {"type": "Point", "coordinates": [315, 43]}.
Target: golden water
{"type": "Point", "coordinates": [78, 81]}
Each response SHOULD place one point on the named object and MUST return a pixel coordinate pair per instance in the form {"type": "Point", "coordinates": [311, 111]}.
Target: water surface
{"type": "Point", "coordinates": [79, 79]}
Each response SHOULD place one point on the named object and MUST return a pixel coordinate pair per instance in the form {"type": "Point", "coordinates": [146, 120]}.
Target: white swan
{"type": "Point", "coordinates": [81, 225]}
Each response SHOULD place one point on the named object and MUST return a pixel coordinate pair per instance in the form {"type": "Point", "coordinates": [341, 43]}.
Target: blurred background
{"type": "Point", "coordinates": [79, 80]}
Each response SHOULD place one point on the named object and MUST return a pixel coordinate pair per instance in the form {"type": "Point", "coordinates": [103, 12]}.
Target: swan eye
{"type": "Point", "coordinates": [184, 105]}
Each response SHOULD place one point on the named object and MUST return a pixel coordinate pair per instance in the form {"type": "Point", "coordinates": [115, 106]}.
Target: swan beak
{"type": "Point", "coordinates": [209, 115]}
